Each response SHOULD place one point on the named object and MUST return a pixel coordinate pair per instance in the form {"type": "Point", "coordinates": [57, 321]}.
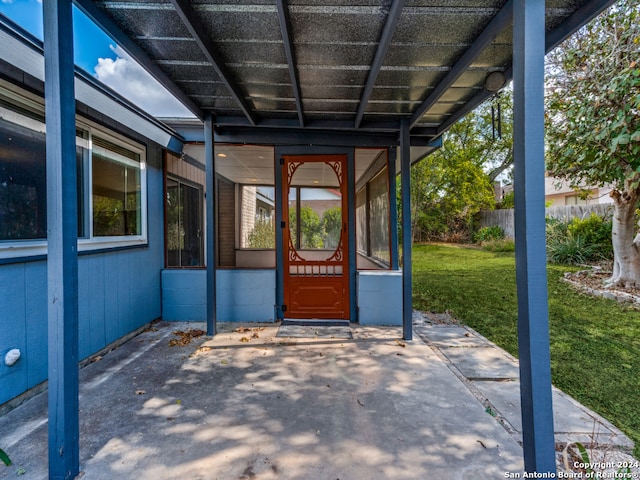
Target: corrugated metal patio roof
{"type": "Point", "coordinates": [328, 64]}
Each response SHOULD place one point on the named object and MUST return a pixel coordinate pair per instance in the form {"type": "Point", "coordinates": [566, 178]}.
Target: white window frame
{"type": "Point", "coordinates": [28, 248]}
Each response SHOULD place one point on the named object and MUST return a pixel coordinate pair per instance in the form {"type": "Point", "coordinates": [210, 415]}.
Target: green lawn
{"type": "Point", "coordinates": [595, 343]}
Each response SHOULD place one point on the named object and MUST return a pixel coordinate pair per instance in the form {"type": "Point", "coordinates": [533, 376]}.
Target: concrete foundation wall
{"type": "Point", "coordinates": [380, 297]}
{"type": "Point", "coordinates": [118, 291]}
{"type": "Point", "coordinates": [243, 295]}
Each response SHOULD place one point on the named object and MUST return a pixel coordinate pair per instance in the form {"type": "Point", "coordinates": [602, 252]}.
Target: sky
{"type": "Point", "coordinates": [100, 56]}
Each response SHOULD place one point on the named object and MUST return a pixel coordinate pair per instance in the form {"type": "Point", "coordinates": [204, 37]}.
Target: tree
{"type": "Point", "coordinates": [593, 122]}
{"type": "Point", "coordinates": [453, 184]}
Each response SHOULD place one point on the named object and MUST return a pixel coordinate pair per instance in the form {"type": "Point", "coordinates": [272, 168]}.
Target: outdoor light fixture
{"type": "Point", "coordinates": [222, 155]}
{"type": "Point", "coordinates": [495, 81]}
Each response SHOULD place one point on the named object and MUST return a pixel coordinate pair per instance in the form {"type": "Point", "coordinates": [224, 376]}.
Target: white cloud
{"type": "Point", "coordinates": [130, 80]}
{"type": "Point", "coordinates": [7, 1]}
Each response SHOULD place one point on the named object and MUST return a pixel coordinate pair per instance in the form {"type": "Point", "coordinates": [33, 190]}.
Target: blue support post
{"type": "Point", "coordinates": [351, 225]}
{"type": "Point", "coordinates": [405, 185]}
{"type": "Point", "coordinates": [531, 274]}
{"type": "Point", "coordinates": [393, 207]}
{"type": "Point", "coordinates": [62, 236]}
{"type": "Point", "coordinates": [279, 237]}
{"type": "Point", "coordinates": [211, 223]}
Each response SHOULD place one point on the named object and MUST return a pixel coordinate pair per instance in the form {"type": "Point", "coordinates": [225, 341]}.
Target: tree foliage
{"type": "Point", "coordinates": [593, 120]}
{"type": "Point", "coordinates": [450, 186]}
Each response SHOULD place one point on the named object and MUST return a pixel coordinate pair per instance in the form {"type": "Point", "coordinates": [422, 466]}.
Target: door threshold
{"type": "Point", "coordinates": [316, 322]}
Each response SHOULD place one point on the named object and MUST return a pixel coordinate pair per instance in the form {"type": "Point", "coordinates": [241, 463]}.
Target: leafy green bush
{"type": "Point", "coordinates": [499, 245]}
{"type": "Point", "coordinates": [263, 234]}
{"type": "Point", "coordinates": [596, 232]}
{"type": "Point", "coordinates": [556, 229]}
{"type": "Point", "coordinates": [508, 200]}
{"type": "Point", "coordinates": [579, 241]}
{"type": "Point", "coordinates": [570, 250]}
{"type": "Point", "coordinates": [488, 233]}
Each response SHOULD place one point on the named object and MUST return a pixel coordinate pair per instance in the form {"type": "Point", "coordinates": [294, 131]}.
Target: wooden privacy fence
{"type": "Point", "coordinates": [504, 218]}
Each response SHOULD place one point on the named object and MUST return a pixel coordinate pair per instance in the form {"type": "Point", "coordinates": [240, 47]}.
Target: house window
{"type": "Point", "coordinates": [372, 218]}
{"type": "Point", "coordinates": [117, 186]}
{"type": "Point", "coordinates": [245, 206]}
{"type": "Point", "coordinates": [111, 182]}
{"type": "Point", "coordinates": [184, 224]}
{"type": "Point", "coordinates": [257, 218]}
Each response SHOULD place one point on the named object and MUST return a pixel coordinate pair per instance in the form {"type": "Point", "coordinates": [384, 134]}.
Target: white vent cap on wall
{"type": "Point", "coordinates": [12, 357]}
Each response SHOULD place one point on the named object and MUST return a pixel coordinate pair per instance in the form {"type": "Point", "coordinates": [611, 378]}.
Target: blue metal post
{"type": "Point", "coordinates": [405, 185]}
{"type": "Point", "coordinates": [279, 237]}
{"type": "Point", "coordinates": [62, 236]}
{"type": "Point", "coordinates": [211, 223]}
{"type": "Point", "coordinates": [351, 226]}
{"type": "Point", "coordinates": [531, 274]}
{"type": "Point", "coordinates": [393, 207]}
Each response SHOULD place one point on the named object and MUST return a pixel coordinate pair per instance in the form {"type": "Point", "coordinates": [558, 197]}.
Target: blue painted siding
{"type": "Point", "coordinates": [13, 294]}
{"type": "Point", "coordinates": [118, 292]}
{"type": "Point", "coordinates": [380, 297]}
{"type": "Point", "coordinates": [243, 295]}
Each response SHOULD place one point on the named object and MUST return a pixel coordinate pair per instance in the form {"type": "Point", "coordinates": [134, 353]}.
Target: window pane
{"type": "Point", "coordinates": [379, 216]}
{"type": "Point", "coordinates": [117, 202]}
{"type": "Point", "coordinates": [361, 221]}
{"type": "Point", "coordinates": [174, 237]}
{"type": "Point", "coordinates": [257, 217]}
{"type": "Point", "coordinates": [23, 189]}
{"type": "Point", "coordinates": [184, 225]}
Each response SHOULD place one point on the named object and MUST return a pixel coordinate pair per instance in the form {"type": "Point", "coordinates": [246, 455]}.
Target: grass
{"type": "Point", "coordinates": [595, 343]}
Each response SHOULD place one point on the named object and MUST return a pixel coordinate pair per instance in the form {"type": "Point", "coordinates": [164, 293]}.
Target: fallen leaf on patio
{"type": "Point", "coordinates": [97, 358]}
{"type": "Point", "coordinates": [171, 419]}
{"type": "Point", "coordinates": [224, 362]}
{"type": "Point", "coordinates": [200, 351]}
{"type": "Point", "coordinates": [242, 329]}
{"type": "Point", "coordinates": [359, 402]}
{"type": "Point", "coordinates": [140, 392]}
{"type": "Point", "coordinates": [255, 335]}
{"type": "Point", "coordinates": [317, 432]}
{"type": "Point", "coordinates": [178, 402]}
{"type": "Point", "coordinates": [244, 339]}
{"type": "Point", "coordinates": [401, 344]}
{"type": "Point", "coordinates": [185, 337]}
{"type": "Point", "coordinates": [480, 442]}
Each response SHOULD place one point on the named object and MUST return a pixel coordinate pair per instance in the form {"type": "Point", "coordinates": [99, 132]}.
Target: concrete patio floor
{"type": "Point", "coordinates": [288, 404]}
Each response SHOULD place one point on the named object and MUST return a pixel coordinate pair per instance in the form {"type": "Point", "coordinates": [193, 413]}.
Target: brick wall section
{"type": "Point", "coordinates": [248, 206]}
{"type": "Point", "coordinates": [226, 224]}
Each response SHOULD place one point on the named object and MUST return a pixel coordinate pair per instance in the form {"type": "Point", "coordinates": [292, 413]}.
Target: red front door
{"type": "Point", "coordinates": [316, 263]}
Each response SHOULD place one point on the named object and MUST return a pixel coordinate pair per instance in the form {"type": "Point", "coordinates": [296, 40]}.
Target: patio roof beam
{"type": "Point", "coordinates": [285, 28]}
{"type": "Point", "coordinates": [344, 125]}
{"type": "Point", "coordinates": [383, 46]}
{"type": "Point", "coordinates": [573, 23]}
{"type": "Point", "coordinates": [62, 241]}
{"type": "Point", "coordinates": [99, 18]}
{"type": "Point", "coordinates": [488, 35]}
{"type": "Point", "coordinates": [568, 27]}
{"type": "Point", "coordinates": [313, 137]}
{"type": "Point", "coordinates": [193, 23]}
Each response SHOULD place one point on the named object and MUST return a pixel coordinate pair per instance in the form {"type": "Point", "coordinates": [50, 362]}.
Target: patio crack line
{"type": "Point", "coordinates": [468, 383]}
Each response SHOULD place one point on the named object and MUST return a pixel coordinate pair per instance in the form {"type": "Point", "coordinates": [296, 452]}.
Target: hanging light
{"type": "Point", "coordinates": [495, 81]}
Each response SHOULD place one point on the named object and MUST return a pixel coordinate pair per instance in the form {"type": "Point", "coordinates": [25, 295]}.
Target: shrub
{"type": "Point", "coordinates": [499, 245]}
{"type": "Point", "coordinates": [488, 233]}
{"type": "Point", "coordinates": [556, 229]}
{"type": "Point", "coordinates": [570, 250]}
{"type": "Point", "coordinates": [596, 232]}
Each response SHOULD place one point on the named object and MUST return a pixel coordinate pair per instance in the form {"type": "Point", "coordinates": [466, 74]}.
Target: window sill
{"type": "Point", "coordinates": [34, 251]}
